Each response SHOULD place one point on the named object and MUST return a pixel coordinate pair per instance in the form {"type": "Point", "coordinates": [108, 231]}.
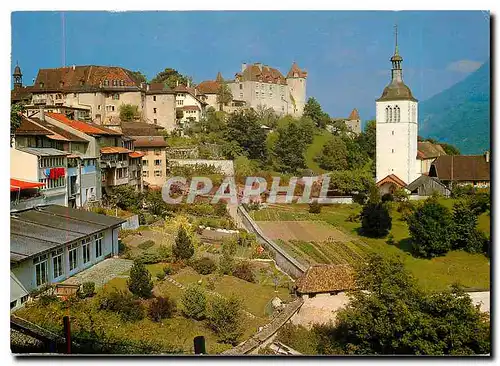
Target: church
{"type": "Point", "coordinates": [397, 163]}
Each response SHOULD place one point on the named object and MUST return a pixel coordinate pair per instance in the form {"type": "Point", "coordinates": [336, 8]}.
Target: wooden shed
{"type": "Point", "coordinates": [426, 186]}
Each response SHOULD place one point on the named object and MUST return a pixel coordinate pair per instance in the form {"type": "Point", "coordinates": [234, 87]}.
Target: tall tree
{"type": "Point", "coordinates": [139, 76]}
{"type": "Point", "coordinates": [334, 154]}
{"type": "Point", "coordinates": [129, 112]}
{"type": "Point", "coordinates": [375, 220]}
{"type": "Point", "coordinates": [170, 77]}
{"type": "Point", "coordinates": [466, 235]}
{"type": "Point", "coordinates": [368, 139]}
{"type": "Point", "coordinates": [289, 149]}
{"type": "Point", "coordinates": [244, 128]}
{"type": "Point", "coordinates": [224, 95]}
{"type": "Point", "coordinates": [224, 317]}
{"type": "Point", "coordinates": [430, 229]}
{"type": "Point", "coordinates": [15, 118]}
{"type": "Point", "coordinates": [312, 109]}
{"type": "Point", "coordinates": [183, 247]}
{"type": "Point", "coordinates": [140, 283]}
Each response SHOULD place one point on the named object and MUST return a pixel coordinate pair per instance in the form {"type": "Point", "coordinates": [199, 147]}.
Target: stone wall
{"type": "Point", "coordinates": [283, 260]}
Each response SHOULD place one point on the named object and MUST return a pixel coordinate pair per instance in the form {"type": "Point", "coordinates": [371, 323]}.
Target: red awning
{"type": "Point", "coordinates": [16, 184]}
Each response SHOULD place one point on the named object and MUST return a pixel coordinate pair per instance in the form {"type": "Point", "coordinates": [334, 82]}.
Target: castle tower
{"type": "Point", "coordinates": [397, 128]}
{"type": "Point", "coordinates": [17, 77]}
{"type": "Point", "coordinates": [296, 81]}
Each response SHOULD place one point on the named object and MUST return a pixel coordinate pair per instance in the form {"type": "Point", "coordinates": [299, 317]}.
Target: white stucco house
{"type": "Point", "coordinates": [50, 243]}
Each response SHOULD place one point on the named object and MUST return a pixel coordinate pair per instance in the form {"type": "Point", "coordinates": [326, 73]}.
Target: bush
{"type": "Point", "coordinates": [165, 253]}
{"type": "Point", "coordinates": [225, 318]}
{"type": "Point", "coordinates": [200, 209]}
{"type": "Point", "coordinates": [375, 220]}
{"type": "Point", "coordinates": [140, 283]}
{"type": "Point", "coordinates": [161, 276]}
{"type": "Point", "coordinates": [466, 236]}
{"type": "Point", "coordinates": [246, 239]}
{"type": "Point", "coordinates": [400, 195]}
{"type": "Point", "coordinates": [220, 209]}
{"type": "Point", "coordinates": [430, 229]}
{"type": "Point", "coordinates": [204, 266]}
{"type": "Point", "coordinates": [314, 207]}
{"type": "Point", "coordinates": [243, 270]}
{"type": "Point", "coordinates": [161, 308]}
{"type": "Point", "coordinates": [390, 239]}
{"type": "Point", "coordinates": [146, 244]}
{"type": "Point", "coordinates": [100, 211]}
{"type": "Point", "coordinates": [47, 299]}
{"type": "Point", "coordinates": [211, 283]}
{"type": "Point", "coordinates": [149, 258]}
{"type": "Point", "coordinates": [480, 202]}
{"type": "Point", "coordinates": [194, 302]}
{"type": "Point", "coordinates": [168, 270]}
{"type": "Point", "coordinates": [387, 197]}
{"type": "Point", "coordinates": [87, 290]}
{"type": "Point", "coordinates": [183, 247]}
{"type": "Point", "coordinates": [226, 264]}
{"type": "Point", "coordinates": [123, 303]}
{"type": "Point", "coordinates": [459, 191]}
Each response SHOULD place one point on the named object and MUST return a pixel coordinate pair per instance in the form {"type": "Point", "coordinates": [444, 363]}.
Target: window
{"type": "Point", "coordinates": [155, 121]}
{"type": "Point", "coordinates": [154, 98]}
{"type": "Point", "coordinates": [390, 114]}
{"type": "Point", "coordinates": [74, 95]}
{"type": "Point", "coordinates": [392, 150]}
{"type": "Point", "coordinates": [116, 96]}
{"type": "Point", "coordinates": [145, 162]}
{"type": "Point", "coordinates": [86, 250]}
{"type": "Point", "coordinates": [106, 82]}
{"type": "Point", "coordinates": [241, 86]}
{"type": "Point", "coordinates": [13, 304]}
{"type": "Point", "coordinates": [145, 174]}
{"type": "Point", "coordinates": [114, 83]}
{"type": "Point", "coordinates": [99, 107]}
{"type": "Point", "coordinates": [392, 133]}
{"type": "Point", "coordinates": [98, 245]}
{"type": "Point", "coordinates": [41, 85]}
{"type": "Point", "coordinates": [73, 256]}
{"type": "Point", "coordinates": [41, 268]}
{"type": "Point", "coordinates": [57, 263]}
{"type": "Point", "coordinates": [157, 173]}
{"type": "Point", "coordinates": [241, 95]}
{"type": "Point", "coordinates": [180, 102]}
{"type": "Point", "coordinates": [24, 299]}
{"type": "Point", "coordinates": [396, 117]}
{"type": "Point", "coordinates": [154, 110]}
{"type": "Point", "coordinates": [157, 162]}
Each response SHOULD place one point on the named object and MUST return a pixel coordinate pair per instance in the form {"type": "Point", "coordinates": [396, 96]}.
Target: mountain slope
{"type": "Point", "coordinates": [460, 115]}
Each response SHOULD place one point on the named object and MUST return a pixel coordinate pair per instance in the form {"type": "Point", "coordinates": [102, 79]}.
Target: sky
{"type": "Point", "coordinates": [346, 53]}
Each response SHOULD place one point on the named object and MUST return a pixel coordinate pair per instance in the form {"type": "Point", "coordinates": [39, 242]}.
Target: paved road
{"type": "Point", "coordinates": [481, 298]}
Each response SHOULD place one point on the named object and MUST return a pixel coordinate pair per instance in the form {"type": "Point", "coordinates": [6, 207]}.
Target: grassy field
{"type": "Point", "coordinates": [314, 149]}
{"type": "Point", "coordinates": [470, 270]}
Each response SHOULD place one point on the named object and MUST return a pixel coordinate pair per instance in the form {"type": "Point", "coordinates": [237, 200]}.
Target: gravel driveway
{"type": "Point", "coordinates": [102, 272]}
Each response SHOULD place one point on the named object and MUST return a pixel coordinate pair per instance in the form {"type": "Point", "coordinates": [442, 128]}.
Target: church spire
{"type": "Point", "coordinates": [396, 60]}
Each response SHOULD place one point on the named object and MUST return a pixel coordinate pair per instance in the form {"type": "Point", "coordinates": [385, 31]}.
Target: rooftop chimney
{"type": "Point", "coordinates": [243, 67]}
{"type": "Point", "coordinates": [177, 83]}
{"type": "Point", "coordinates": [487, 156]}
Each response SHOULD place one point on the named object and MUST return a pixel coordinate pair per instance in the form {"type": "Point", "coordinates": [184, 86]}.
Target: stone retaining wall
{"type": "Point", "coordinates": [283, 260]}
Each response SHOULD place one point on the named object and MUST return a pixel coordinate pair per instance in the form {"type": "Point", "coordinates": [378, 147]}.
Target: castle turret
{"type": "Point", "coordinates": [296, 81]}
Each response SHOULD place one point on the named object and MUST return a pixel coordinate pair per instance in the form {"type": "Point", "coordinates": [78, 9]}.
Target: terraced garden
{"type": "Point", "coordinates": [470, 270]}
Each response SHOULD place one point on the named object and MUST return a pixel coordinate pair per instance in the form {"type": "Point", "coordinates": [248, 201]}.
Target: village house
{"type": "Point", "coordinates": [426, 154]}
{"type": "Point", "coordinates": [48, 244]}
{"type": "Point", "coordinates": [325, 279]}
{"type": "Point", "coordinates": [154, 160]}
{"type": "Point", "coordinates": [189, 106]}
{"type": "Point", "coordinates": [209, 90]}
{"type": "Point", "coordinates": [160, 106]}
{"type": "Point", "coordinates": [83, 182]}
{"type": "Point", "coordinates": [462, 170]}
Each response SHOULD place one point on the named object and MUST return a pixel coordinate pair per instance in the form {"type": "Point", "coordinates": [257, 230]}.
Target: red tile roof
{"type": "Point", "coordinates": [392, 179]}
{"type": "Point", "coordinates": [208, 87]}
{"type": "Point", "coordinates": [136, 154]}
{"type": "Point", "coordinates": [115, 150]}
{"type": "Point", "coordinates": [81, 78]}
{"type": "Point", "coordinates": [261, 73]}
{"type": "Point", "coordinates": [354, 115]}
{"type": "Point", "coordinates": [149, 141]}
{"type": "Point", "coordinates": [28, 127]}
{"type": "Point", "coordinates": [190, 108]}
{"type": "Point", "coordinates": [295, 69]}
{"type": "Point", "coordinates": [88, 128]}
{"type": "Point", "coordinates": [16, 184]}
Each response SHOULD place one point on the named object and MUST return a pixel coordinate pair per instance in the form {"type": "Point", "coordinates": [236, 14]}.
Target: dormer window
{"type": "Point", "coordinates": [41, 85]}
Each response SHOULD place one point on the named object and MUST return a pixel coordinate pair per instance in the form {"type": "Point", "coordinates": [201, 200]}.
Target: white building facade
{"type": "Point", "coordinates": [397, 128]}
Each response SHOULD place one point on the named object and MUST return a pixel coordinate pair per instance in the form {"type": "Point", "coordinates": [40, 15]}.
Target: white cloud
{"type": "Point", "coordinates": [464, 66]}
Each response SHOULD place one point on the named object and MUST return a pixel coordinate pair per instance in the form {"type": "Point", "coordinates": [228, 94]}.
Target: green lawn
{"type": "Point", "coordinates": [314, 149]}
{"type": "Point", "coordinates": [470, 270]}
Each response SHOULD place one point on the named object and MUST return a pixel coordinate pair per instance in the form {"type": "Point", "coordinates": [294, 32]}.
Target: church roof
{"type": "Point", "coordinates": [396, 90]}
{"type": "Point", "coordinates": [295, 69]}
